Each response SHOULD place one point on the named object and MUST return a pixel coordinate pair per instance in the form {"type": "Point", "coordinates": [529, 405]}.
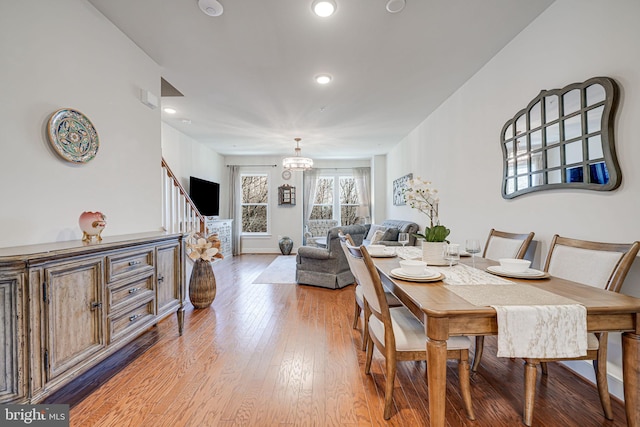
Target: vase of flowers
{"type": "Point", "coordinates": [202, 285]}
{"type": "Point", "coordinates": [420, 194]}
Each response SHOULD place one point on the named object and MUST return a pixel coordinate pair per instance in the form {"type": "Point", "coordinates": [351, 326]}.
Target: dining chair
{"type": "Point", "coordinates": [360, 305]}
{"type": "Point", "coordinates": [501, 244]}
{"type": "Point", "coordinates": [399, 335]}
{"type": "Point", "coordinates": [602, 265]}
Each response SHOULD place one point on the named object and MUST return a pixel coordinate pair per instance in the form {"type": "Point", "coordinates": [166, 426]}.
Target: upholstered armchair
{"type": "Point", "coordinates": [328, 267]}
{"type": "Point", "coordinates": [316, 231]}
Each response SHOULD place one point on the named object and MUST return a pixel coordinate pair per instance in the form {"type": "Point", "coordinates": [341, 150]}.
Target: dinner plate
{"type": "Point", "coordinates": [527, 274]}
{"type": "Point", "coordinates": [429, 276]}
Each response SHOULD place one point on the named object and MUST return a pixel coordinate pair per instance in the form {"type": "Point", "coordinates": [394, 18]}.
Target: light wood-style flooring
{"type": "Point", "coordinates": [286, 355]}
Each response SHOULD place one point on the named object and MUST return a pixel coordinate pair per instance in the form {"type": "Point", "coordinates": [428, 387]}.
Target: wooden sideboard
{"type": "Point", "coordinates": [66, 306]}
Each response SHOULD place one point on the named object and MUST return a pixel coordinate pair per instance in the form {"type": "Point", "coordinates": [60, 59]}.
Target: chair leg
{"type": "Point", "coordinates": [369, 347]}
{"type": "Point", "coordinates": [465, 383]}
{"type": "Point", "coordinates": [478, 352]}
{"type": "Point", "coordinates": [356, 314]}
{"type": "Point", "coordinates": [388, 387]}
{"type": "Point", "coordinates": [365, 326]}
{"type": "Point", "coordinates": [530, 374]}
{"type": "Point", "coordinates": [603, 387]}
{"type": "Point", "coordinates": [545, 370]}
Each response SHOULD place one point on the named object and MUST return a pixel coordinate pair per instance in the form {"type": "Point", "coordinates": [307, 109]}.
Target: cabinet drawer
{"type": "Point", "coordinates": [128, 264]}
{"type": "Point", "coordinates": [130, 320]}
{"type": "Point", "coordinates": [125, 292]}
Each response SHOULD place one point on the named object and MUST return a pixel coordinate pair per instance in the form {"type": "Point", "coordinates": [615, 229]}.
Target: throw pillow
{"type": "Point", "coordinates": [373, 229]}
{"type": "Point", "coordinates": [391, 234]}
{"type": "Point", "coordinates": [378, 236]}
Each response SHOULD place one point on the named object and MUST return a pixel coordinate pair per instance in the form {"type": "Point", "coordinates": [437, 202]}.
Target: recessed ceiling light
{"type": "Point", "coordinates": [323, 8]}
{"type": "Point", "coordinates": [323, 79]}
{"type": "Point", "coordinates": [169, 110]}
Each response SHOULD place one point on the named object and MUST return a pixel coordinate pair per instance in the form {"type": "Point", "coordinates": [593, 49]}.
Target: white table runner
{"type": "Point", "coordinates": [531, 322]}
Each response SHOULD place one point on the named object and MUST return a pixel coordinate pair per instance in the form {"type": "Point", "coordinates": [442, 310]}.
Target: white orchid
{"type": "Point", "coordinates": [421, 195]}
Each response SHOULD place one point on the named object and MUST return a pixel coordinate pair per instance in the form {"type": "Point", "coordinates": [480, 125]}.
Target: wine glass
{"type": "Point", "coordinates": [473, 247]}
{"type": "Point", "coordinates": [451, 253]}
{"type": "Point", "coordinates": [403, 239]}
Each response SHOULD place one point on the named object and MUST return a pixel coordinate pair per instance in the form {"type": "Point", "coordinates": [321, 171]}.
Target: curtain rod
{"type": "Point", "coordinates": [273, 166]}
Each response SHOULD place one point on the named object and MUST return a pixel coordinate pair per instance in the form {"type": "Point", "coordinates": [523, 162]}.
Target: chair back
{"type": "Point", "coordinates": [344, 239]}
{"type": "Point", "coordinates": [369, 279]}
{"type": "Point", "coordinates": [501, 244]}
{"type": "Point", "coordinates": [602, 265]}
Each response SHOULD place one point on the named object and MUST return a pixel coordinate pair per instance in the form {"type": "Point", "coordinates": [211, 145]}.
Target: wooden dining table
{"type": "Point", "coordinates": [446, 314]}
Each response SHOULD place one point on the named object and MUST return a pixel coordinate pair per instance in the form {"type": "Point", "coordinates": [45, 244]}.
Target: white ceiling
{"type": "Point", "coordinates": [247, 76]}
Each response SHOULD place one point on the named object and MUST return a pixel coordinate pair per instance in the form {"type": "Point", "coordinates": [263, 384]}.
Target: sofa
{"type": "Point", "coordinates": [328, 267]}
{"type": "Point", "coordinates": [390, 229]}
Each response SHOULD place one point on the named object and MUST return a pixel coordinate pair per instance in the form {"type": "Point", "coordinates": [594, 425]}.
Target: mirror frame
{"type": "Point", "coordinates": [518, 133]}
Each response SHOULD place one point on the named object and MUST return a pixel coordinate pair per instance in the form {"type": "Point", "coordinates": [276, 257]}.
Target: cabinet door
{"type": "Point", "coordinates": [11, 366]}
{"type": "Point", "coordinates": [74, 314]}
{"type": "Point", "coordinates": [169, 292]}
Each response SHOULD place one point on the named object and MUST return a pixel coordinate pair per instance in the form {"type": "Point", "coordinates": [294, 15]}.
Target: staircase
{"type": "Point", "coordinates": [179, 214]}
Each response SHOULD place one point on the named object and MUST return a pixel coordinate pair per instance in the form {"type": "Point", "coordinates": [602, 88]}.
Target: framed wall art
{"type": "Point", "coordinates": [398, 186]}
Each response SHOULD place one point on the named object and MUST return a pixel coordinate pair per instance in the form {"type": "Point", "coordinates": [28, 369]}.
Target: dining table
{"type": "Point", "coordinates": [445, 313]}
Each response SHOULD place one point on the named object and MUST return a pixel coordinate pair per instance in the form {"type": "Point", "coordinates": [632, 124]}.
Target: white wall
{"type": "Point", "coordinates": [458, 146]}
{"type": "Point", "coordinates": [65, 54]}
{"type": "Point", "coordinates": [186, 157]}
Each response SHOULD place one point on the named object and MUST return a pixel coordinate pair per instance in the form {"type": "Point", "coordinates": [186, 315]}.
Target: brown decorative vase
{"type": "Point", "coordinates": [202, 286]}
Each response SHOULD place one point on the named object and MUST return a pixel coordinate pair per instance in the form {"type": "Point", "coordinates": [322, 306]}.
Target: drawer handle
{"type": "Point", "coordinates": [134, 290]}
{"type": "Point", "coordinates": [132, 263]}
{"type": "Point", "coordinates": [161, 278]}
{"type": "Point", "coordinates": [95, 305]}
{"type": "Point", "coordinates": [134, 317]}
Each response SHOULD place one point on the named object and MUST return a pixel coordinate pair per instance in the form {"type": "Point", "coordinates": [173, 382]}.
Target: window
{"type": "Point", "coordinates": [255, 207]}
{"type": "Point", "coordinates": [336, 198]}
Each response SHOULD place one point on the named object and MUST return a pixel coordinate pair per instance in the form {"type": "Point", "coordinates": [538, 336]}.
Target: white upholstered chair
{"type": "Point", "coordinates": [602, 265]}
{"type": "Point", "coordinates": [359, 303]}
{"type": "Point", "coordinates": [399, 335]}
{"type": "Point", "coordinates": [501, 244]}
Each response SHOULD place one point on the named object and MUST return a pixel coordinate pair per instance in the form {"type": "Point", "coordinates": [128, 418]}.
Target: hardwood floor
{"type": "Point", "coordinates": [286, 355]}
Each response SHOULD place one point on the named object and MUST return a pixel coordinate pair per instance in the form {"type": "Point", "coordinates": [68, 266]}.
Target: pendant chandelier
{"type": "Point", "coordinates": [297, 163]}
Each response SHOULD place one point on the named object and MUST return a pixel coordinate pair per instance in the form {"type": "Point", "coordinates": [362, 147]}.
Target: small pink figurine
{"type": "Point", "coordinates": [92, 224]}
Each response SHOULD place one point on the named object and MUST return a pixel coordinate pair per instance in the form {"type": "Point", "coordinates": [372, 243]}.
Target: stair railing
{"type": "Point", "coordinates": [179, 213]}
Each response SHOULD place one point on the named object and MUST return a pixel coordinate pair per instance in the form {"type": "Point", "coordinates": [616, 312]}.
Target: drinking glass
{"type": "Point", "coordinates": [473, 247]}
{"type": "Point", "coordinates": [403, 239]}
{"type": "Point", "coordinates": [451, 253]}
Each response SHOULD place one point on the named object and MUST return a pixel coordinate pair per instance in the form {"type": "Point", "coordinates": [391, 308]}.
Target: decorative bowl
{"type": "Point", "coordinates": [413, 267]}
{"type": "Point", "coordinates": [513, 265]}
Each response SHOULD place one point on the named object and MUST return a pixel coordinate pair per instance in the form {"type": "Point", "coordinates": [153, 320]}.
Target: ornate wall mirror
{"type": "Point", "coordinates": [563, 139]}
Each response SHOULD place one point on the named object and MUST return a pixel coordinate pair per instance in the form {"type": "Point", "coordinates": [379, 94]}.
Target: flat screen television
{"type": "Point", "coordinates": [206, 196]}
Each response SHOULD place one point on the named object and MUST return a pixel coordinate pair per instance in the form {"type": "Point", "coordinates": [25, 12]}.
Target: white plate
{"type": "Point", "coordinates": [428, 274]}
{"type": "Point", "coordinates": [527, 274]}
{"type": "Point", "coordinates": [426, 278]}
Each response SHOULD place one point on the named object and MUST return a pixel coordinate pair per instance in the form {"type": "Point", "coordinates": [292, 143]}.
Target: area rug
{"type": "Point", "coordinates": [281, 271]}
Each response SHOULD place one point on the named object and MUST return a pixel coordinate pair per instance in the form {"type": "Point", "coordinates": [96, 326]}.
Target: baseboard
{"type": "Point", "coordinates": [584, 368]}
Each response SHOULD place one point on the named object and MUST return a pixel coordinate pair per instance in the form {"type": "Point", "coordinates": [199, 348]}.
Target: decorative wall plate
{"type": "Point", "coordinates": [73, 136]}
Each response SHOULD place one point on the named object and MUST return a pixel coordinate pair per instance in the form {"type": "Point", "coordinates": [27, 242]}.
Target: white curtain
{"type": "Point", "coordinates": [235, 207]}
{"type": "Point", "coordinates": [362, 177]}
{"type": "Point", "coordinates": [309, 184]}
